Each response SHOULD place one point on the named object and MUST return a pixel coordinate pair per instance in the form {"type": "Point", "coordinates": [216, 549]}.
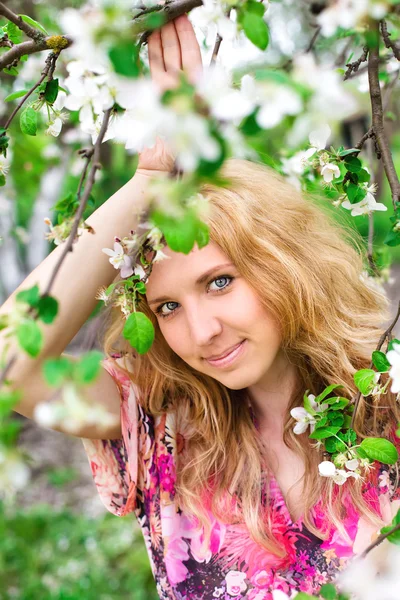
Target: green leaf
{"type": "Point", "coordinates": [326, 392]}
{"type": "Point", "coordinates": [380, 449]}
{"type": "Point", "coordinates": [14, 32]}
{"type": "Point", "coordinates": [28, 121]}
{"type": "Point", "coordinates": [258, 8]}
{"type": "Point", "coordinates": [256, 30]}
{"type": "Point", "coordinates": [394, 537]}
{"type": "Point", "coordinates": [203, 236]}
{"type": "Point", "coordinates": [30, 337]}
{"type": "Point", "coordinates": [392, 238]}
{"type": "Point", "coordinates": [30, 296]}
{"type": "Point", "coordinates": [353, 164]}
{"type": "Point", "coordinates": [11, 71]}
{"type": "Point", "coordinates": [308, 406]}
{"type": "Point", "coordinates": [8, 399]}
{"type": "Point", "coordinates": [343, 153]}
{"type": "Point", "coordinates": [86, 370]}
{"type": "Point", "coordinates": [33, 23]}
{"type": "Point", "coordinates": [380, 361]}
{"type": "Point", "coordinates": [355, 193]}
{"type": "Point", "coordinates": [365, 381]}
{"type": "Point", "coordinates": [324, 432]}
{"type": "Point", "coordinates": [2, 180]}
{"type": "Point", "coordinates": [328, 591]}
{"type": "Point", "coordinates": [392, 343]}
{"type": "Point", "coordinates": [337, 403]}
{"type": "Point", "coordinates": [57, 370]}
{"type": "Point", "coordinates": [124, 58]}
{"type": "Point", "coordinates": [15, 95]}
{"type": "Point", "coordinates": [139, 332]}
{"type": "Point", "coordinates": [180, 234]}
{"type": "Point", "coordinates": [48, 309]}
{"type": "Point", "coordinates": [51, 91]}
{"type": "Point", "coordinates": [363, 176]}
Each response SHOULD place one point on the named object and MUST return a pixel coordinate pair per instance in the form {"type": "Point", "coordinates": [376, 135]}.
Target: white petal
{"type": "Point", "coordinates": [320, 136]}
{"type": "Point", "coordinates": [327, 468]}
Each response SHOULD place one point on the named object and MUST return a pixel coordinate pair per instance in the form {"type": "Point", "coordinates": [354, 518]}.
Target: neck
{"type": "Point", "coordinates": [271, 395]}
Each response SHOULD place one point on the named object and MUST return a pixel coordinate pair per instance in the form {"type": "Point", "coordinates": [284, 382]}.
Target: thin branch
{"type": "Point", "coordinates": [47, 71]}
{"type": "Point", "coordinates": [170, 11]}
{"type": "Point", "coordinates": [353, 67]}
{"type": "Point", "coordinates": [377, 119]}
{"type": "Point", "coordinates": [388, 42]}
{"type": "Point", "coordinates": [378, 541]}
{"type": "Point", "coordinates": [382, 339]}
{"type": "Point", "coordinates": [313, 39]}
{"type": "Point", "coordinates": [218, 41]}
{"type": "Point", "coordinates": [51, 42]}
{"type": "Point", "coordinates": [31, 32]}
{"type": "Point", "coordinates": [86, 193]}
{"type": "Point", "coordinates": [69, 243]}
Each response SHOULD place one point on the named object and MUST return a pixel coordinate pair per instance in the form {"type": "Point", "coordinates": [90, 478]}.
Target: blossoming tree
{"type": "Point", "coordinates": [275, 70]}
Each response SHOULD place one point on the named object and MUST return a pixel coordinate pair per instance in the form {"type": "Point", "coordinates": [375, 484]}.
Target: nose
{"type": "Point", "coordinates": [204, 324]}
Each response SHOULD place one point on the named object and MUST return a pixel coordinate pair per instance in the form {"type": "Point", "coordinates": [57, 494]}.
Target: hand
{"type": "Point", "coordinates": [172, 48]}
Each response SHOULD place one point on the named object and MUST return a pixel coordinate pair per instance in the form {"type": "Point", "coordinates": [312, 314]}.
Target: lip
{"type": "Point", "coordinates": [228, 358]}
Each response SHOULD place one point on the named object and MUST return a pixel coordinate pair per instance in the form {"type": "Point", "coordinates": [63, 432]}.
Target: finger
{"type": "Point", "coordinates": [171, 48]}
{"type": "Point", "coordinates": [156, 60]}
{"type": "Point", "coordinates": [190, 50]}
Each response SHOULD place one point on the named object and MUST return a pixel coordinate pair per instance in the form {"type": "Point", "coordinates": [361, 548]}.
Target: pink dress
{"type": "Point", "coordinates": [137, 474]}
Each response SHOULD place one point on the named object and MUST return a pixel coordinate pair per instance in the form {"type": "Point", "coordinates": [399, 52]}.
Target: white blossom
{"type": "Point", "coordinates": [349, 13]}
{"type": "Point", "coordinates": [214, 84]}
{"type": "Point", "coordinates": [365, 206]}
{"type": "Point", "coordinates": [119, 259]}
{"type": "Point", "coordinates": [330, 171]}
{"type": "Point", "coordinates": [304, 418]}
{"type": "Point", "coordinates": [328, 469]}
{"type": "Point", "coordinates": [213, 12]}
{"type": "Point", "coordinates": [393, 357]}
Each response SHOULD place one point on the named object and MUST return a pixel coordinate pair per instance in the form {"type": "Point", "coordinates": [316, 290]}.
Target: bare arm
{"type": "Point", "coordinates": [81, 274]}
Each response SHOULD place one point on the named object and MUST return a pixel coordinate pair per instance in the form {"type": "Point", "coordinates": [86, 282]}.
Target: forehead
{"type": "Point", "coordinates": [167, 273]}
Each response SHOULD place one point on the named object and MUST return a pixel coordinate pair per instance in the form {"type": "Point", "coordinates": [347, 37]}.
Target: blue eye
{"type": "Point", "coordinates": [220, 289]}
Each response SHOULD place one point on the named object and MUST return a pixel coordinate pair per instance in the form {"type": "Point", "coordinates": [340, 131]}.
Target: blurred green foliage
{"type": "Point", "coordinates": [49, 555]}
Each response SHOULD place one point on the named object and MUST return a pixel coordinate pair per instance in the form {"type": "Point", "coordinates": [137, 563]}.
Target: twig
{"type": "Point", "coordinates": [377, 118]}
{"type": "Point", "coordinates": [378, 541]}
{"type": "Point", "coordinates": [313, 39]}
{"type": "Point", "coordinates": [170, 10]}
{"type": "Point", "coordinates": [47, 71]}
{"type": "Point", "coordinates": [86, 193]}
{"type": "Point", "coordinates": [388, 42]}
{"type": "Point", "coordinates": [69, 243]}
{"type": "Point", "coordinates": [382, 339]}
{"type": "Point", "coordinates": [353, 67]}
{"type": "Point", "coordinates": [218, 42]}
{"type": "Point", "coordinates": [51, 42]}
{"type": "Point", "coordinates": [30, 31]}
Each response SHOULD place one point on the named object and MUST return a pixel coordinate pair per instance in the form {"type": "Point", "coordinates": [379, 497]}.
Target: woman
{"type": "Point", "coordinates": [228, 497]}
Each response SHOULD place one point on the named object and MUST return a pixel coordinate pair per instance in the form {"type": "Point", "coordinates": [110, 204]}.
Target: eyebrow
{"type": "Point", "coordinates": [200, 280]}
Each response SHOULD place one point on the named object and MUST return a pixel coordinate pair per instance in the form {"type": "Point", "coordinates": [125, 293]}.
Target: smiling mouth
{"type": "Point", "coordinates": [219, 356]}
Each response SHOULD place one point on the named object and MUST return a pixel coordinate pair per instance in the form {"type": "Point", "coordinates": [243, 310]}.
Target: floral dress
{"type": "Point", "coordinates": [137, 474]}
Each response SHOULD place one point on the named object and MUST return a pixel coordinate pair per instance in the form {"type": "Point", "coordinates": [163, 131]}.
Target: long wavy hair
{"type": "Point", "coordinates": [307, 270]}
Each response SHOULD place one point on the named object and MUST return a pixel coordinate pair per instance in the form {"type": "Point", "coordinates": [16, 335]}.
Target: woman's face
{"type": "Point", "coordinates": [206, 318]}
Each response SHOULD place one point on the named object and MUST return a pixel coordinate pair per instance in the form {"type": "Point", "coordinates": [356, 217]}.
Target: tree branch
{"type": "Point", "coordinates": [47, 71]}
{"type": "Point", "coordinates": [382, 339]}
{"type": "Point", "coordinates": [377, 118]}
{"type": "Point", "coordinates": [388, 42]}
{"type": "Point", "coordinates": [353, 67]}
{"type": "Point", "coordinates": [52, 42]}
{"type": "Point", "coordinates": [170, 10]}
{"type": "Point", "coordinates": [31, 32]}
{"type": "Point", "coordinates": [86, 193]}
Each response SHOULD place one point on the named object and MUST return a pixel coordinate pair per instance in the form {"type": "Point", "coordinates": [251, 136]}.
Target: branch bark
{"type": "Point", "coordinates": [51, 42]}
{"type": "Point", "coordinates": [30, 31]}
{"type": "Point", "coordinates": [377, 118]}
